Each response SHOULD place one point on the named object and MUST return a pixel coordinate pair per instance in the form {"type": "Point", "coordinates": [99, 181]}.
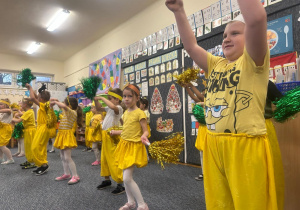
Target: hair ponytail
{"type": "Point", "coordinates": [79, 116]}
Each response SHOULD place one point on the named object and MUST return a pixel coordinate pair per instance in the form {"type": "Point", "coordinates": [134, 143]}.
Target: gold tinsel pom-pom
{"type": "Point", "coordinates": [168, 150]}
{"type": "Point", "coordinates": [187, 76]}
{"type": "Point", "coordinates": [51, 117]}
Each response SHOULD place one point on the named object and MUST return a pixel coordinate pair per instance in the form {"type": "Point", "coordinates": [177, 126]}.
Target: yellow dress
{"type": "Point", "coordinates": [94, 134]}
{"type": "Point", "coordinates": [130, 150]}
{"type": "Point", "coordinates": [201, 137]}
{"type": "Point", "coordinates": [41, 137]}
{"type": "Point", "coordinates": [88, 118]}
{"type": "Point", "coordinates": [29, 133]}
{"type": "Point", "coordinates": [5, 129]}
{"type": "Point", "coordinates": [65, 136]}
{"type": "Point", "coordinates": [237, 158]}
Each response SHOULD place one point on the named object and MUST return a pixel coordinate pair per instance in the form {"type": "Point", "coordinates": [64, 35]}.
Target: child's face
{"type": "Point", "coordinates": [23, 105]}
{"type": "Point", "coordinates": [40, 99]}
{"type": "Point", "coordinates": [233, 40]}
{"type": "Point", "coordinates": [114, 100]}
{"type": "Point", "coordinates": [142, 106]}
{"type": "Point", "coordinates": [93, 109]}
{"type": "Point", "coordinates": [129, 98]}
{"type": "Point", "coordinates": [2, 106]}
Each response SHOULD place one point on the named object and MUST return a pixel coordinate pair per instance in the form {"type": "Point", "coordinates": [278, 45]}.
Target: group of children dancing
{"type": "Point", "coordinates": [121, 149]}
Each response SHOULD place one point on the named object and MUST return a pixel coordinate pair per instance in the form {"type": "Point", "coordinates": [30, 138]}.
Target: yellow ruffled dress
{"type": "Point", "coordinates": [5, 128]}
{"type": "Point", "coordinates": [94, 133]}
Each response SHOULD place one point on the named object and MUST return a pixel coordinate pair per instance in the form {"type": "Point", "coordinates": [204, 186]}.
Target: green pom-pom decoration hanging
{"type": "Point", "coordinates": [90, 86]}
{"type": "Point", "coordinates": [198, 112]}
{"type": "Point", "coordinates": [18, 131]}
{"type": "Point", "coordinates": [86, 109]}
{"type": "Point", "coordinates": [57, 113]}
{"type": "Point", "coordinates": [287, 106]}
{"type": "Point", "coordinates": [25, 76]}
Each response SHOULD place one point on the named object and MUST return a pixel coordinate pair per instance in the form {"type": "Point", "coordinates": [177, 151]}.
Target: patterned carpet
{"type": "Point", "coordinates": [173, 188]}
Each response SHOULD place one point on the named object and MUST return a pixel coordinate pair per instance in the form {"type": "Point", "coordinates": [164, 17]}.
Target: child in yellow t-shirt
{"type": "Point", "coordinates": [88, 117]}
{"type": "Point", "coordinates": [41, 138]}
{"type": "Point", "coordinates": [5, 131]}
{"type": "Point", "coordinates": [94, 134]}
{"type": "Point", "coordinates": [131, 150]}
{"type": "Point", "coordinates": [65, 139]}
{"type": "Point", "coordinates": [29, 130]}
{"type": "Point", "coordinates": [235, 99]}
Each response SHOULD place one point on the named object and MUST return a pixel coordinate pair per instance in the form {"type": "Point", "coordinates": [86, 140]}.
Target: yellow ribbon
{"type": "Point", "coordinates": [115, 95]}
{"type": "Point", "coordinates": [5, 102]}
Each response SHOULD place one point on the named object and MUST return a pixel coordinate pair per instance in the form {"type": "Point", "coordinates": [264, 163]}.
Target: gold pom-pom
{"type": "Point", "coordinates": [51, 117]}
{"type": "Point", "coordinates": [187, 76]}
{"type": "Point", "coordinates": [167, 151]}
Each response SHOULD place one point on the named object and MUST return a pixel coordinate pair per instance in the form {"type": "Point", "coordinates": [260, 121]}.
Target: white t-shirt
{"type": "Point", "coordinates": [111, 119]}
{"type": "Point", "coordinates": [6, 117]}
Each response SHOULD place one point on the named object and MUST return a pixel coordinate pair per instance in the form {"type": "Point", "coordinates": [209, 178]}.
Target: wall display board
{"type": "Point", "coordinates": [108, 68]}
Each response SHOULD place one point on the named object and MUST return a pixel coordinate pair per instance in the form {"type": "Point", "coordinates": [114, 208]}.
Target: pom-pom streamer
{"type": "Point", "coordinates": [287, 106]}
{"type": "Point", "coordinates": [167, 151]}
{"type": "Point", "coordinates": [187, 76]}
{"type": "Point", "coordinates": [198, 112]}
{"type": "Point", "coordinates": [86, 109]}
{"type": "Point", "coordinates": [90, 86]}
{"type": "Point", "coordinates": [25, 76]}
{"type": "Point", "coordinates": [18, 131]}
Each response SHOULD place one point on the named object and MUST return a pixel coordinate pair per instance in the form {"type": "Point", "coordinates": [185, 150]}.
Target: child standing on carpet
{"type": "Point", "coordinates": [5, 131]}
{"type": "Point", "coordinates": [94, 134]}
{"type": "Point", "coordinates": [112, 119]}
{"type": "Point", "coordinates": [237, 157]}
{"type": "Point", "coordinates": [131, 150]}
{"type": "Point", "coordinates": [88, 116]}
{"type": "Point", "coordinates": [17, 111]}
{"type": "Point", "coordinates": [65, 139]}
{"type": "Point", "coordinates": [29, 130]}
{"type": "Point", "coordinates": [41, 137]}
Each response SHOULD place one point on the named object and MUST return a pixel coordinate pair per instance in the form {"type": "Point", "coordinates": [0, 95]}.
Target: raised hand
{"type": "Point", "coordinates": [174, 5]}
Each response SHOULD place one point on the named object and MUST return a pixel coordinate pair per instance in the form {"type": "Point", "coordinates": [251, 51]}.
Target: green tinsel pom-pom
{"type": "Point", "coordinates": [25, 76]}
{"type": "Point", "coordinates": [198, 112]}
{"type": "Point", "coordinates": [287, 106]}
{"type": "Point", "coordinates": [86, 109]}
{"type": "Point", "coordinates": [18, 131]}
{"type": "Point", "coordinates": [90, 86]}
{"type": "Point", "coordinates": [57, 113]}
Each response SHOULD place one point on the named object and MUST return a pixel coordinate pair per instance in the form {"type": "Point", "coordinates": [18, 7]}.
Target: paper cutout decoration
{"type": "Point", "coordinates": [169, 66]}
{"type": "Point", "coordinates": [175, 64]}
{"type": "Point", "coordinates": [162, 79]}
{"type": "Point", "coordinates": [156, 80]}
{"type": "Point", "coordinates": [151, 81]}
{"type": "Point", "coordinates": [156, 106]}
{"type": "Point", "coordinates": [165, 126]}
{"type": "Point", "coordinates": [156, 70]}
{"type": "Point", "coordinates": [144, 73]}
{"type": "Point", "coordinates": [175, 73]}
{"type": "Point", "coordinates": [151, 71]}
{"type": "Point", "coordinates": [169, 77]}
{"type": "Point", "coordinates": [173, 101]}
{"type": "Point", "coordinates": [162, 68]}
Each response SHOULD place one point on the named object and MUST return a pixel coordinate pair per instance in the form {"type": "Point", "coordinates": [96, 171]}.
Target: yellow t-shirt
{"type": "Point", "coordinates": [28, 119]}
{"type": "Point", "coordinates": [68, 119]}
{"type": "Point", "coordinates": [42, 115]}
{"type": "Point", "coordinates": [88, 117]}
{"type": "Point", "coordinates": [236, 95]}
{"type": "Point", "coordinates": [132, 129]}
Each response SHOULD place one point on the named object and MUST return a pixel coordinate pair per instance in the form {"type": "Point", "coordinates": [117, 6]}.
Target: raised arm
{"type": "Point", "coordinates": [33, 96]}
{"type": "Point", "coordinates": [197, 53]}
{"type": "Point", "coordinates": [5, 111]}
{"type": "Point", "coordinates": [98, 105]}
{"type": "Point", "coordinates": [60, 105]}
{"type": "Point", "coordinates": [191, 94]}
{"type": "Point", "coordinates": [255, 30]}
{"type": "Point", "coordinates": [108, 103]}
{"type": "Point", "coordinates": [199, 95]}
{"type": "Point", "coordinates": [17, 120]}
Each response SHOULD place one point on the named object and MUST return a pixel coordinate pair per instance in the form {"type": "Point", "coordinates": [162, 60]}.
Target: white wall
{"type": "Point", "coordinates": [17, 63]}
{"type": "Point", "coordinates": [147, 22]}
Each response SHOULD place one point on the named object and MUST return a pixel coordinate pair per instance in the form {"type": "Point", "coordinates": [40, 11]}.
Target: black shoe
{"type": "Point", "coordinates": [52, 151]}
{"type": "Point", "coordinates": [104, 184]}
{"type": "Point", "coordinates": [29, 167]}
{"type": "Point", "coordinates": [35, 170]}
{"type": "Point", "coordinates": [25, 163]}
{"type": "Point", "coordinates": [119, 190]}
{"type": "Point", "coordinates": [42, 170]}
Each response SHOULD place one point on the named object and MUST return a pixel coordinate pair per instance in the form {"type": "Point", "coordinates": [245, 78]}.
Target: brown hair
{"type": "Point", "coordinates": [45, 95]}
{"type": "Point", "coordinates": [132, 91]}
{"type": "Point", "coordinates": [117, 91]}
{"type": "Point", "coordinates": [27, 101]}
{"type": "Point", "coordinates": [7, 100]}
{"type": "Point", "coordinates": [145, 102]}
{"type": "Point", "coordinates": [74, 106]}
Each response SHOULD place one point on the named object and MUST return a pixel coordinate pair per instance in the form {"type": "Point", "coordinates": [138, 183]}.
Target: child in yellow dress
{"type": "Point", "coordinates": [29, 130]}
{"type": "Point", "coordinates": [112, 119]}
{"type": "Point", "coordinates": [5, 131]}
{"type": "Point", "coordinates": [65, 139]}
{"type": "Point", "coordinates": [41, 137]}
{"type": "Point", "coordinates": [94, 134]}
{"type": "Point", "coordinates": [88, 117]}
{"type": "Point", "coordinates": [237, 158]}
{"type": "Point", "coordinates": [131, 150]}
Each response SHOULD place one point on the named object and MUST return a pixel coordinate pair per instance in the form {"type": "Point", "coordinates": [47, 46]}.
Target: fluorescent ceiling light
{"type": "Point", "coordinates": [58, 19]}
{"type": "Point", "coordinates": [33, 47]}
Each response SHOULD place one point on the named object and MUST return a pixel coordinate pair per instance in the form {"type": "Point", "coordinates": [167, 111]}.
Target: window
{"type": "Point", "coordinates": [6, 78]}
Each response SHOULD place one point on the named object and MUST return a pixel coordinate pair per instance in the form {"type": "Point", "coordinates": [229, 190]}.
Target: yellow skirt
{"type": "Point", "coordinates": [201, 137]}
{"type": "Point", "coordinates": [94, 136]}
{"type": "Point", "coordinates": [39, 145]}
{"type": "Point", "coordinates": [29, 134]}
{"type": "Point", "coordinates": [108, 163]}
{"type": "Point", "coordinates": [149, 130]}
{"type": "Point", "coordinates": [239, 172]}
{"type": "Point", "coordinates": [129, 153]}
{"type": "Point", "coordinates": [88, 143]}
{"type": "Point", "coordinates": [52, 132]}
{"type": "Point", "coordinates": [5, 134]}
{"type": "Point", "coordinates": [65, 139]}
{"type": "Point", "coordinates": [278, 167]}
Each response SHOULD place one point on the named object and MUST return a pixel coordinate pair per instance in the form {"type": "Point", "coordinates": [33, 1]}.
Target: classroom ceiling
{"type": "Point", "coordinates": [25, 21]}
